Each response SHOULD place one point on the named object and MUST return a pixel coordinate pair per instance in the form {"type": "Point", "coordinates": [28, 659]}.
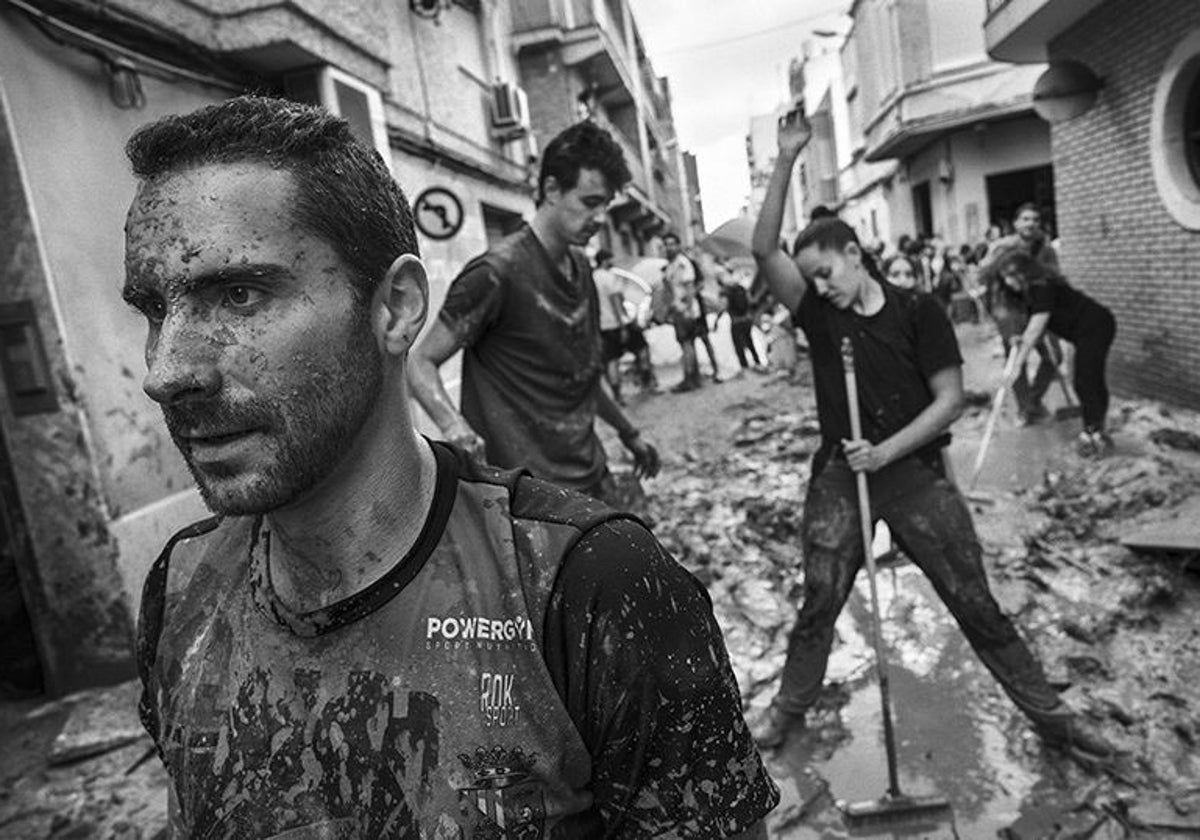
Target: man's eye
{"type": "Point", "coordinates": [154, 310]}
{"type": "Point", "coordinates": [242, 296]}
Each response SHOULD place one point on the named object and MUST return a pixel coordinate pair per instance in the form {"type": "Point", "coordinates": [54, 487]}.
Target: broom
{"type": "Point", "coordinates": [893, 806]}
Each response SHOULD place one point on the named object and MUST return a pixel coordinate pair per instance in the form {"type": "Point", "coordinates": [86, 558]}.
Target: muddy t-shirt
{"type": "Point", "coordinates": [537, 666]}
{"type": "Point", "coordinates": [531, 360]}
{"type": "Point", "coordinates": [896, 351]}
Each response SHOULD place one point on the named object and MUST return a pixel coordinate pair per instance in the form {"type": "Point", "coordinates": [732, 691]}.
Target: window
{"type": "Point", "coordinates": [1191, 129]}
{"type": "Point", "coordinates": [1175, 133]}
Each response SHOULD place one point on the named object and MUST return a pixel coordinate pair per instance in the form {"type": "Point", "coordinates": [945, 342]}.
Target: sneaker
{"type": "Point", "coordinates": [773, 728]}
{"type": "Point", "coordinates": [1094, 444]}
{"type": "Point", "coordinates": [1086, 445]}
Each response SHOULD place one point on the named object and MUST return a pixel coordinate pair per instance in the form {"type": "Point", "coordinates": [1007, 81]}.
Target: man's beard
{"type": "Point", "coordinates": [311, 428]}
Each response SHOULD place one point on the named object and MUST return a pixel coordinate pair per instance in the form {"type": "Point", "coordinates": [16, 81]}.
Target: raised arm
{"type": "Point", "coordinates": [782, 275]}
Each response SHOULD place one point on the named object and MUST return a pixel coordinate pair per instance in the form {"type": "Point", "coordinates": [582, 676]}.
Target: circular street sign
{"type": "Point", "coordinates": [438, 213]}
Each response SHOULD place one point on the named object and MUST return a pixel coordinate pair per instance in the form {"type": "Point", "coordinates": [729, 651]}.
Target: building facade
{"type": "Point", "coordinates": [1124, 89]}
{"type": "Point", "coordinates": [92, 485]}
{"type": "Point", "coordinates": [944, 140]}
{"type": "Point", "coordinates": [586, 58]}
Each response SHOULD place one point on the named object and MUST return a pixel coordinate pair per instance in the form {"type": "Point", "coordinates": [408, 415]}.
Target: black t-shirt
{"type": "Point", "coordinates": [1069, 308]}
{"type": "Point", "coordinates": [896, 351]}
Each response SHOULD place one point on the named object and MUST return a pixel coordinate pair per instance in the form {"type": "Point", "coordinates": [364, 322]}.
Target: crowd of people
{"type": "Point", "coordinates": [379, 634]}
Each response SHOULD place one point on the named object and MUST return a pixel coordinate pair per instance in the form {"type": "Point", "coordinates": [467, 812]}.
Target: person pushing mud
{"type": "Point", "coordinates": [909, 375]}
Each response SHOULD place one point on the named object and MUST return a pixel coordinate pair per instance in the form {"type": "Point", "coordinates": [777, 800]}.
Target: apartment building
{"type": "Point", "coordinates": [586, 58]}
{"type": "Point", "coordinates": [91, 483]}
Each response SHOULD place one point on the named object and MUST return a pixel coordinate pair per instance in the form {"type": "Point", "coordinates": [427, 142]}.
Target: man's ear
{"type": "Point", "coordinates": [404, 304]}
{"type": "Point", "coordinates": [551, 190]}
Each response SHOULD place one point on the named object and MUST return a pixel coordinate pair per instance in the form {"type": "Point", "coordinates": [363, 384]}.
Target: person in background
{"type": "Point", "coordinates": [687, 312]}
{"type": "Point", "coordinates": [614, 330]}
{"type": "Point", "coordinates": [374, 630]}
{"type": "Point", "coordinates": [741, 322]}
{"type": "Point", "coordinates": [909, 378]}
{"type": "Point", "coordinates": [950, 280]}
{"type": "Point", "coordinates": [526, 315]}
{"type": "Point", "coordinates": [1010, 313]}
{"type": "Point", "coordinates": [1051, 303]}
{"type": "Point", "coordinates": [898, 270]}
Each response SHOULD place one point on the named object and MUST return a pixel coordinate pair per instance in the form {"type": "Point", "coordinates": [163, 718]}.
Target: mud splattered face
{"type": "Point", "coordinates": [265, 368]}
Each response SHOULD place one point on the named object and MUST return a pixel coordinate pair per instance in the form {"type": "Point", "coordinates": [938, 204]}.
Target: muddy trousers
{"type": "Point", "coordinates": [930, 521]}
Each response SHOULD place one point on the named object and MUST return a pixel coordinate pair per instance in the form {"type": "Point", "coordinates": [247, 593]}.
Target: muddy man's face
{"type": "Point", "coordinates": [263, 362]}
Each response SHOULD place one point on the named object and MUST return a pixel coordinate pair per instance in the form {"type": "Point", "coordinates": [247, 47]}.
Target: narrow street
{"type": "Point", "coordinates": [1116, 630]}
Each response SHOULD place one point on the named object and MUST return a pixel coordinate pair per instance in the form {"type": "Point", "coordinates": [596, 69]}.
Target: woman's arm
{"type": "Point", "coordinates": [781, 274]}
{"type": "Point", "coordinates": [1034, 330]}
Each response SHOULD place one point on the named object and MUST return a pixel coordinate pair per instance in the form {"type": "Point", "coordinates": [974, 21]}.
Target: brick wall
{"type": "Point", "coordinates": [1118, 242]}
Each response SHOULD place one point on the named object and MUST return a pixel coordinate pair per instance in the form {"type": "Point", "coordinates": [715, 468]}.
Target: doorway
{"type": "Point", "coordinates": [923, 209]}
{"type": "Point", "coordinates": [20, 667]}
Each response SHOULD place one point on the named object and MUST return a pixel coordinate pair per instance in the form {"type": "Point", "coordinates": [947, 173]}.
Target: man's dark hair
{"type": "Point", "coordinates": [1023, 206]}
{"type": "Point", "coordinates": [603, 255]}
{"type": "Point", "coordinates": [671, 235]}
{"type": "Point", "coordinates": [344, 192]}
{"type": "Point", "coordinates": [821, 212]}
{"type": "Point", "coordinates": [584, 145]}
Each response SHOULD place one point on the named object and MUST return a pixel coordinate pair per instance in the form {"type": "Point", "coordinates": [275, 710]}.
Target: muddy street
{"type": "Point", "coordinates": [1115, 628]}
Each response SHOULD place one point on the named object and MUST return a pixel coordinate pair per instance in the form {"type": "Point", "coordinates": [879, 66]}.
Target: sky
{"type": "Point", "coordinates": [726, 61]}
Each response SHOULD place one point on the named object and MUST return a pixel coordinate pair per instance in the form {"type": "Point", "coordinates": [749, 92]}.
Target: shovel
{"type": "Point", "coordinates": [894, 808]}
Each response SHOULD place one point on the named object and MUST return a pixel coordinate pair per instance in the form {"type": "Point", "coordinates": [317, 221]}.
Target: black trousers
{"type": "Point", "coordinates": [1094, 339]}
{"type": "Point", "coordinates": [739, 330]}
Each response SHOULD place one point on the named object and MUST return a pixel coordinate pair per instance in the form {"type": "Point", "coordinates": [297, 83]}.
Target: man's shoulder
{"type": "Point", "coordinates": [502, 255]}
{"type": "Point", "coordinates": [538, 502]}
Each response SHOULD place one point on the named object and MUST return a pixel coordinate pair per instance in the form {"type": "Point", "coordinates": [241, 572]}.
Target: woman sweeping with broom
{"type": "Point", "coordinates": [908, 373]}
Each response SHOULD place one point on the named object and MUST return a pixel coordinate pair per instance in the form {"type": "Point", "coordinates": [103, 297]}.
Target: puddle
{"type": "Point", "coordinates": [953, 724]}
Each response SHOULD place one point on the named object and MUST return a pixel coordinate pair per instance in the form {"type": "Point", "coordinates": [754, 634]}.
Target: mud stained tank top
{"type": "Point", "coordinates": [420, 707]}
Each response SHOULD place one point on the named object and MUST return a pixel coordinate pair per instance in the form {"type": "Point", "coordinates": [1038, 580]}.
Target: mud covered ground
{"type": "Point", "coordinates": [1117, 630]}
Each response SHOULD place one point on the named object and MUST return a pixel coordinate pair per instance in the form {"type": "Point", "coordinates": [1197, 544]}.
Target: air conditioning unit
{"type": "Point", "coordinates": [509, 110]}
{"type": "Point", "coordinates": [346, 96]}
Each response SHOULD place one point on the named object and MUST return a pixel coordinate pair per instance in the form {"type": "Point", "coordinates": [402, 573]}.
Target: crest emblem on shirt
{"type": "Point", "coordinates": [502, 803]}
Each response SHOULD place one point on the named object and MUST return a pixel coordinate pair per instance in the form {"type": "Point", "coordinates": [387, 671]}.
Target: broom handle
{"type": "Point", "coordinates": [864, 518]}
{"type": "Point", "coordinates": [993, 417]}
